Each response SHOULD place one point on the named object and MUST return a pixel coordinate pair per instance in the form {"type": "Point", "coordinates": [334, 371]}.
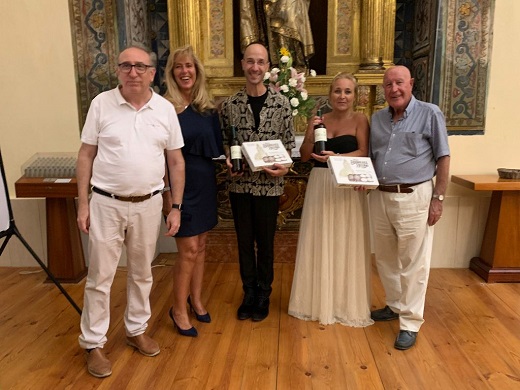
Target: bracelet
{"type": "Point", "coordinates": [167, 188]}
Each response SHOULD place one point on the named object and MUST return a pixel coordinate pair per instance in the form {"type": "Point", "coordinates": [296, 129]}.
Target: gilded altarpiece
{"type": "Point", "coordinates": [208, 26]}
{"type": "Point", "coordinates": [454, 75]}
{"type": "Point", "coordinates": [360, 39]}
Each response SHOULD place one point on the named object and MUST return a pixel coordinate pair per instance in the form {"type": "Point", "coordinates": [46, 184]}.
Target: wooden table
{"type": "Point", "coordinates": [64, 248]}
{"type": "Point", "coordinates": [499, 259]}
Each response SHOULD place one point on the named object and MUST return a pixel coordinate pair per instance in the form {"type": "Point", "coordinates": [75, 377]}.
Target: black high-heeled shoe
{"type": "Point", "coordinates": [200, 317]}
{"type": "Point", "coordinates": [192, 332]}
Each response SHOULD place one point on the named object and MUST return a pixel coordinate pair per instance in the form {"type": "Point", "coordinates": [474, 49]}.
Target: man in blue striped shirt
{"type": "Point", "coordinates": [408, 146]}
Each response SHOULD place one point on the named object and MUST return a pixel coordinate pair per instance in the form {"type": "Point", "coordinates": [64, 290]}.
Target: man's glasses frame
{"type": "Point", "coordinates": [251, 62]}
{"type": "Point", "coordinates": [140, 68]}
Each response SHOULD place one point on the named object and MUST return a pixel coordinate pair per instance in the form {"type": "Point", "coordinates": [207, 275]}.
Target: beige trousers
{"type": "Point", "coordinates": [112, 224]}
{"type": "Point", "coordinates": [403, 247]}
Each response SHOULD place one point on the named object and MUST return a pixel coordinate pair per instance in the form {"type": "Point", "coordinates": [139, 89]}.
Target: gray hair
{"type": "Point", "coordinates": [151, 54]}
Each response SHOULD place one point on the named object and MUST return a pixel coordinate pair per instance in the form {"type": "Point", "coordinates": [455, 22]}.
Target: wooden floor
{"type": "Point", "coordinates": [470, 340]}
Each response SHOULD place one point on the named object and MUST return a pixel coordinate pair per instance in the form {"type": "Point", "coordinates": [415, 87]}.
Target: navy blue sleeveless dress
{"type": "Point", "coordinates": [202, 143]}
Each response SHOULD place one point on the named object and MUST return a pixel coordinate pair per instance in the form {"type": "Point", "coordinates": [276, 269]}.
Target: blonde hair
{"type": "Point", "coordinates": [347, 76]}
{"type": "Point", "coordinates": [344, 75]}
{"type": "Point", "coordinates": [200, 97]}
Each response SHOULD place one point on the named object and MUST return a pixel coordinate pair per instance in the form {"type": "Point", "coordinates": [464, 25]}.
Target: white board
{"type": "Point", "coordinates": [4, 206]}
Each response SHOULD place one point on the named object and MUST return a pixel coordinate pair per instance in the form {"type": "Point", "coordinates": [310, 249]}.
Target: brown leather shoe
{"type": "Point", "coordinates": [146, 345]}
{"type": "Point", "coordinates": [97, 363]}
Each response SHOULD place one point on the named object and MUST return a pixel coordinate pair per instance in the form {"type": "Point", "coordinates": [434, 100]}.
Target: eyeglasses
{"type": "Point", "coordinates": [140, 68]}
{"type": "Point", "coordinates": [251, 62]}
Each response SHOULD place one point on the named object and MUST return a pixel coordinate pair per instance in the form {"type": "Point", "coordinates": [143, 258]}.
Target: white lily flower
{"type": "Point", "coordinates": [294, 88]}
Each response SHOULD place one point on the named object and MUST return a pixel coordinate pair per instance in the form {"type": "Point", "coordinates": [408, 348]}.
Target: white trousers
{"type": "Point", "coordinates": [112, 224]}
{"type": "Point", "coordinates": [403, 248]}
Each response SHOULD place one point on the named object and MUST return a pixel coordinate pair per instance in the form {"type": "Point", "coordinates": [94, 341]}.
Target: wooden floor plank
{"type": "Point", "coordinates": [344, 355]}
{"type": "Point", "coordinates": [455, 362]}
{"type": "Point", "coordinates": [294, 366]}
{"type": "Point", "coordinates": [462, 313]}
{"type": "Point", "coordinates": [507, 293]}
{"type": "Point", "coordinates": [262, 354]}
{"type": "Point", "coordinates": [226, 295]}
{"type": "Point", "coordinates": [470, 339]}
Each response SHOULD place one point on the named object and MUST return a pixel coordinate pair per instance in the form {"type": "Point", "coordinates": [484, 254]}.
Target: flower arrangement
{"type": "Point", "coordinates": [290, 83]}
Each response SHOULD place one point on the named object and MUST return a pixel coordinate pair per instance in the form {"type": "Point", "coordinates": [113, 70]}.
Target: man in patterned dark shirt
{"type": "Point", "coordinates": [259, 114]}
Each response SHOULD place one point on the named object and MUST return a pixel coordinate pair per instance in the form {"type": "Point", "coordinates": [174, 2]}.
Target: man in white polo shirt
{"type": "Point", "coordinates": [126, 135]}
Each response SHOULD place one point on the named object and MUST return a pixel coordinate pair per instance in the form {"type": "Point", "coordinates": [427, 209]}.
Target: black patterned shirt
{"type": "Point", "coordinates": [276, 122]}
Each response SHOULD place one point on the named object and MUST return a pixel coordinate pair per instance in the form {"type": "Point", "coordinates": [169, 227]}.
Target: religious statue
{"type": "Point", "coordinates": [277, 24]}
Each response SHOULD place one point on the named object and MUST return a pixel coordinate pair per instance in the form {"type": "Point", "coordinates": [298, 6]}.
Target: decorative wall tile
{"type": "Point", "coordinates": [468, 29]}
{"type": "Point", "coordinates": [137, 27]}
{"type": "Point", "coordinates": [95, 40]}
{"type": "Point", "coordinates": [344, 23]}
{"type": "Point", "coordinates": [217, 32]}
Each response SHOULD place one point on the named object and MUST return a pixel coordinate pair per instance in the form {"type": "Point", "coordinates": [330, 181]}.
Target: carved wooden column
{"type": "Point", "coordinates": [207, 25]}
{"type": "Point", "coordinates": [372, 24]}
{"type": "Point", "coordinates": [343, 36]}
{"type": "Point", "coordinates": [184, 26]}
{"type": "Point", "coordinates": [388, 38]}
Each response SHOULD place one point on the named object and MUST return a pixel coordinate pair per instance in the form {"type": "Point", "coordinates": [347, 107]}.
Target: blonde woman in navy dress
{"type": "Point", "coordinates": [186, 89]}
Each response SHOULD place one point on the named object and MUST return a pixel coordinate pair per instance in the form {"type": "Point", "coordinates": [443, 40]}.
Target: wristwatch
{"type": "Point", "coordinates": [177, 206]}
{"type": "Point", "coordinates": [439, 197]}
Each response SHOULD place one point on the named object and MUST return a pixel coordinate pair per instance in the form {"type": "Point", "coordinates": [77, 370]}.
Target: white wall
{"type": "Point", "coordinates": [459, 234]}
{"type": "Point", "coordinates": [39, 114]}
{"type": "Point", "coordinates": [38, 103]}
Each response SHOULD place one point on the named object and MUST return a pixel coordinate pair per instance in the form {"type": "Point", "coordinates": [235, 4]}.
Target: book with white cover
{"type": "Point", "coordinates": [261, 154]}
{"type": "Point", "coordinates": [352, 171]}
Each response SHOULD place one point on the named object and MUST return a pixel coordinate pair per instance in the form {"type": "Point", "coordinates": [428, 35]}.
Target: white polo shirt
{"type": "Point", "coordinates": [131, 143]}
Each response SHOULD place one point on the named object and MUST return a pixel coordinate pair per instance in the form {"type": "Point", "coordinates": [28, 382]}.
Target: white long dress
{"type": "Point", "coordinates": [331, 282]}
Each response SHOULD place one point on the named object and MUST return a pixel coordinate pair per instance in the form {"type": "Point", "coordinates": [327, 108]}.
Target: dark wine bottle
{"type": "Point", "coordinates": [236, 152]}
{"type": "Point", "coordinates": [320, 135]}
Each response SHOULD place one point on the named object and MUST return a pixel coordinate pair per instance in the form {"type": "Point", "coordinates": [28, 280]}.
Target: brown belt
{"type": "Point", "coordinates": [133, 199]}
{"type": "Point", "coordinates": [398, 188]}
